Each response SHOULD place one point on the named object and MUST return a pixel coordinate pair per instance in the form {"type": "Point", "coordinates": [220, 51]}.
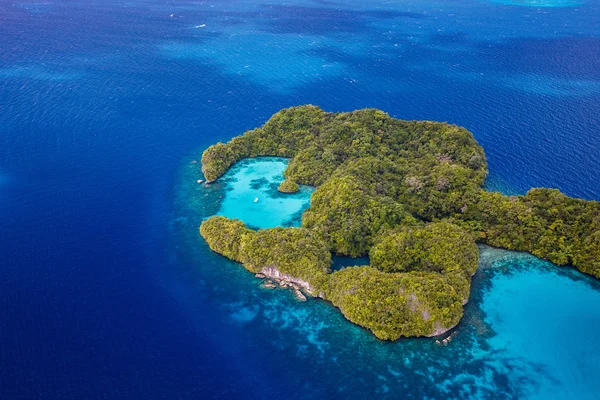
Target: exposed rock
{"type": "Point", "coordinates": [414, 183]}
{"type": "Point", "coordinates": [442, 183]}
{"type": "Point", "coordinates": [299, 295]}
{"type": "Point", "coordinates": [444, 342]}
{"type": "Point", "coordinates": [274, 278]}
{"type": "Point", "coordinates": [444, 158]}
{"type": "Point", "coordinates": [439, 330]}
{"type": "Point", "coordinates": [268, 285]}
{"type": "Point", "coordinates": [273, 273]}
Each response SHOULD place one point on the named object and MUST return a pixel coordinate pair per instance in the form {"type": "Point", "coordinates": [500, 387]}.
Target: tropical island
{"type": "Point", "coordinates": [406, 193]}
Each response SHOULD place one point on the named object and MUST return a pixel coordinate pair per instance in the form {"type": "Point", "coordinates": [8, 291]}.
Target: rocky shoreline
{"type": "Point", "coordinates": [272, 282]}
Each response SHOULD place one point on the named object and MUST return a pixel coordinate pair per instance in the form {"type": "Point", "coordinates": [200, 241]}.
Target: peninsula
{"type": "Point", "coordinates": [406, 193]}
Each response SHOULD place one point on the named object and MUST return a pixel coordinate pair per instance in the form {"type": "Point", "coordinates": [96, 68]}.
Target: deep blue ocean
{"type": "Point", "coordinates": [108, 292]}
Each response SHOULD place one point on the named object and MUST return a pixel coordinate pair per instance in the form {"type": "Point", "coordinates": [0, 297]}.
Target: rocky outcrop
{"type": "Point", "coordinates": [273, 273]}
{"type": "Point", "coordinates": [439, 330]}
{"type": "Point", "coordinates": [274, 277]}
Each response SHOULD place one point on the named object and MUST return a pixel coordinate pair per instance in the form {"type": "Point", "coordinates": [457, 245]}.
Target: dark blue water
{"type": "Point", "coordinates": [106, 289]}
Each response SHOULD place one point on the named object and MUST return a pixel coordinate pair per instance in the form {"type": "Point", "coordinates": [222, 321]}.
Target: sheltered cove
{"type": "Point", "coordinates": [408, 194]}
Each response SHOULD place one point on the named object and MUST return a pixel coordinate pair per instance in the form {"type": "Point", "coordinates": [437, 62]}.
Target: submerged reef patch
{"type": "Point", "coordinates": [406, 193]}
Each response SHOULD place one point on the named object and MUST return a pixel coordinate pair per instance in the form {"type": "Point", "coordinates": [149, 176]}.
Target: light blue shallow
{"type": "Point", "coordinates": [251, 194]}
{"type": "Point", "coordinates": [544, 320]}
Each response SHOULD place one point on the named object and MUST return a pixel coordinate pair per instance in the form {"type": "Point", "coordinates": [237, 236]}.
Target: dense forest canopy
{"type": "Point", "coordinates": [407, 193]}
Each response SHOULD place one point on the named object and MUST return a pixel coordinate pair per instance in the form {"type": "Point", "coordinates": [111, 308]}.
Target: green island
{"type": "Point", "coordinates": [406, 193]}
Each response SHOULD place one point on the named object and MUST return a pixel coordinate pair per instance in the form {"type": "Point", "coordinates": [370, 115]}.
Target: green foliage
{"type": "Point", "coordinates": [395, 304]}
{"type": "Point", "coordinates": [218, 158]}
{"type": "Point", "coordinates": [288, 186]}
{"type": "Point", "coordinates": [224, 236]}
{"type": "Point", "coordinates": [348, 217]}
{"type": "Point", "coordinates": [544, 222]}
{"type": "Point", "coordinates": [283, 135]}
{"type": "Point", "coordinates": [409, 194]}
{"type": "Point", "coordinates": [318, 143]}
{"type": "Point", "coordinates": [438, 247]}
{"type": "Point", "coordinates": [296, 252]}
{"type": "Point", "coordinates": [293, 251]}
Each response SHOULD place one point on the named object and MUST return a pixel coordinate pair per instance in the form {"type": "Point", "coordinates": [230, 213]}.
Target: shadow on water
{"type": "Point", "coordinates": [339, 262]}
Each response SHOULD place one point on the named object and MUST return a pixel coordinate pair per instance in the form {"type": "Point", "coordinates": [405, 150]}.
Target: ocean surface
{"type": "Point", "coordinates": [107, 290]}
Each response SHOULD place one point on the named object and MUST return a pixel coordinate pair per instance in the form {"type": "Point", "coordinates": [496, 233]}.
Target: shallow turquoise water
{"type": "Point", "coordinates": [251, 194]}
{"type": "Point", "coordinates": [544, 319]}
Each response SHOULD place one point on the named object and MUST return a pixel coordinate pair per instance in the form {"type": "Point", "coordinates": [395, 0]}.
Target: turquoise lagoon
{"type": "Point", "coordinates": [251, 194]}
{"type": "Point", "coordinates": [545, 319]}
{"type": "Point", "coordinates": [529, 330]}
